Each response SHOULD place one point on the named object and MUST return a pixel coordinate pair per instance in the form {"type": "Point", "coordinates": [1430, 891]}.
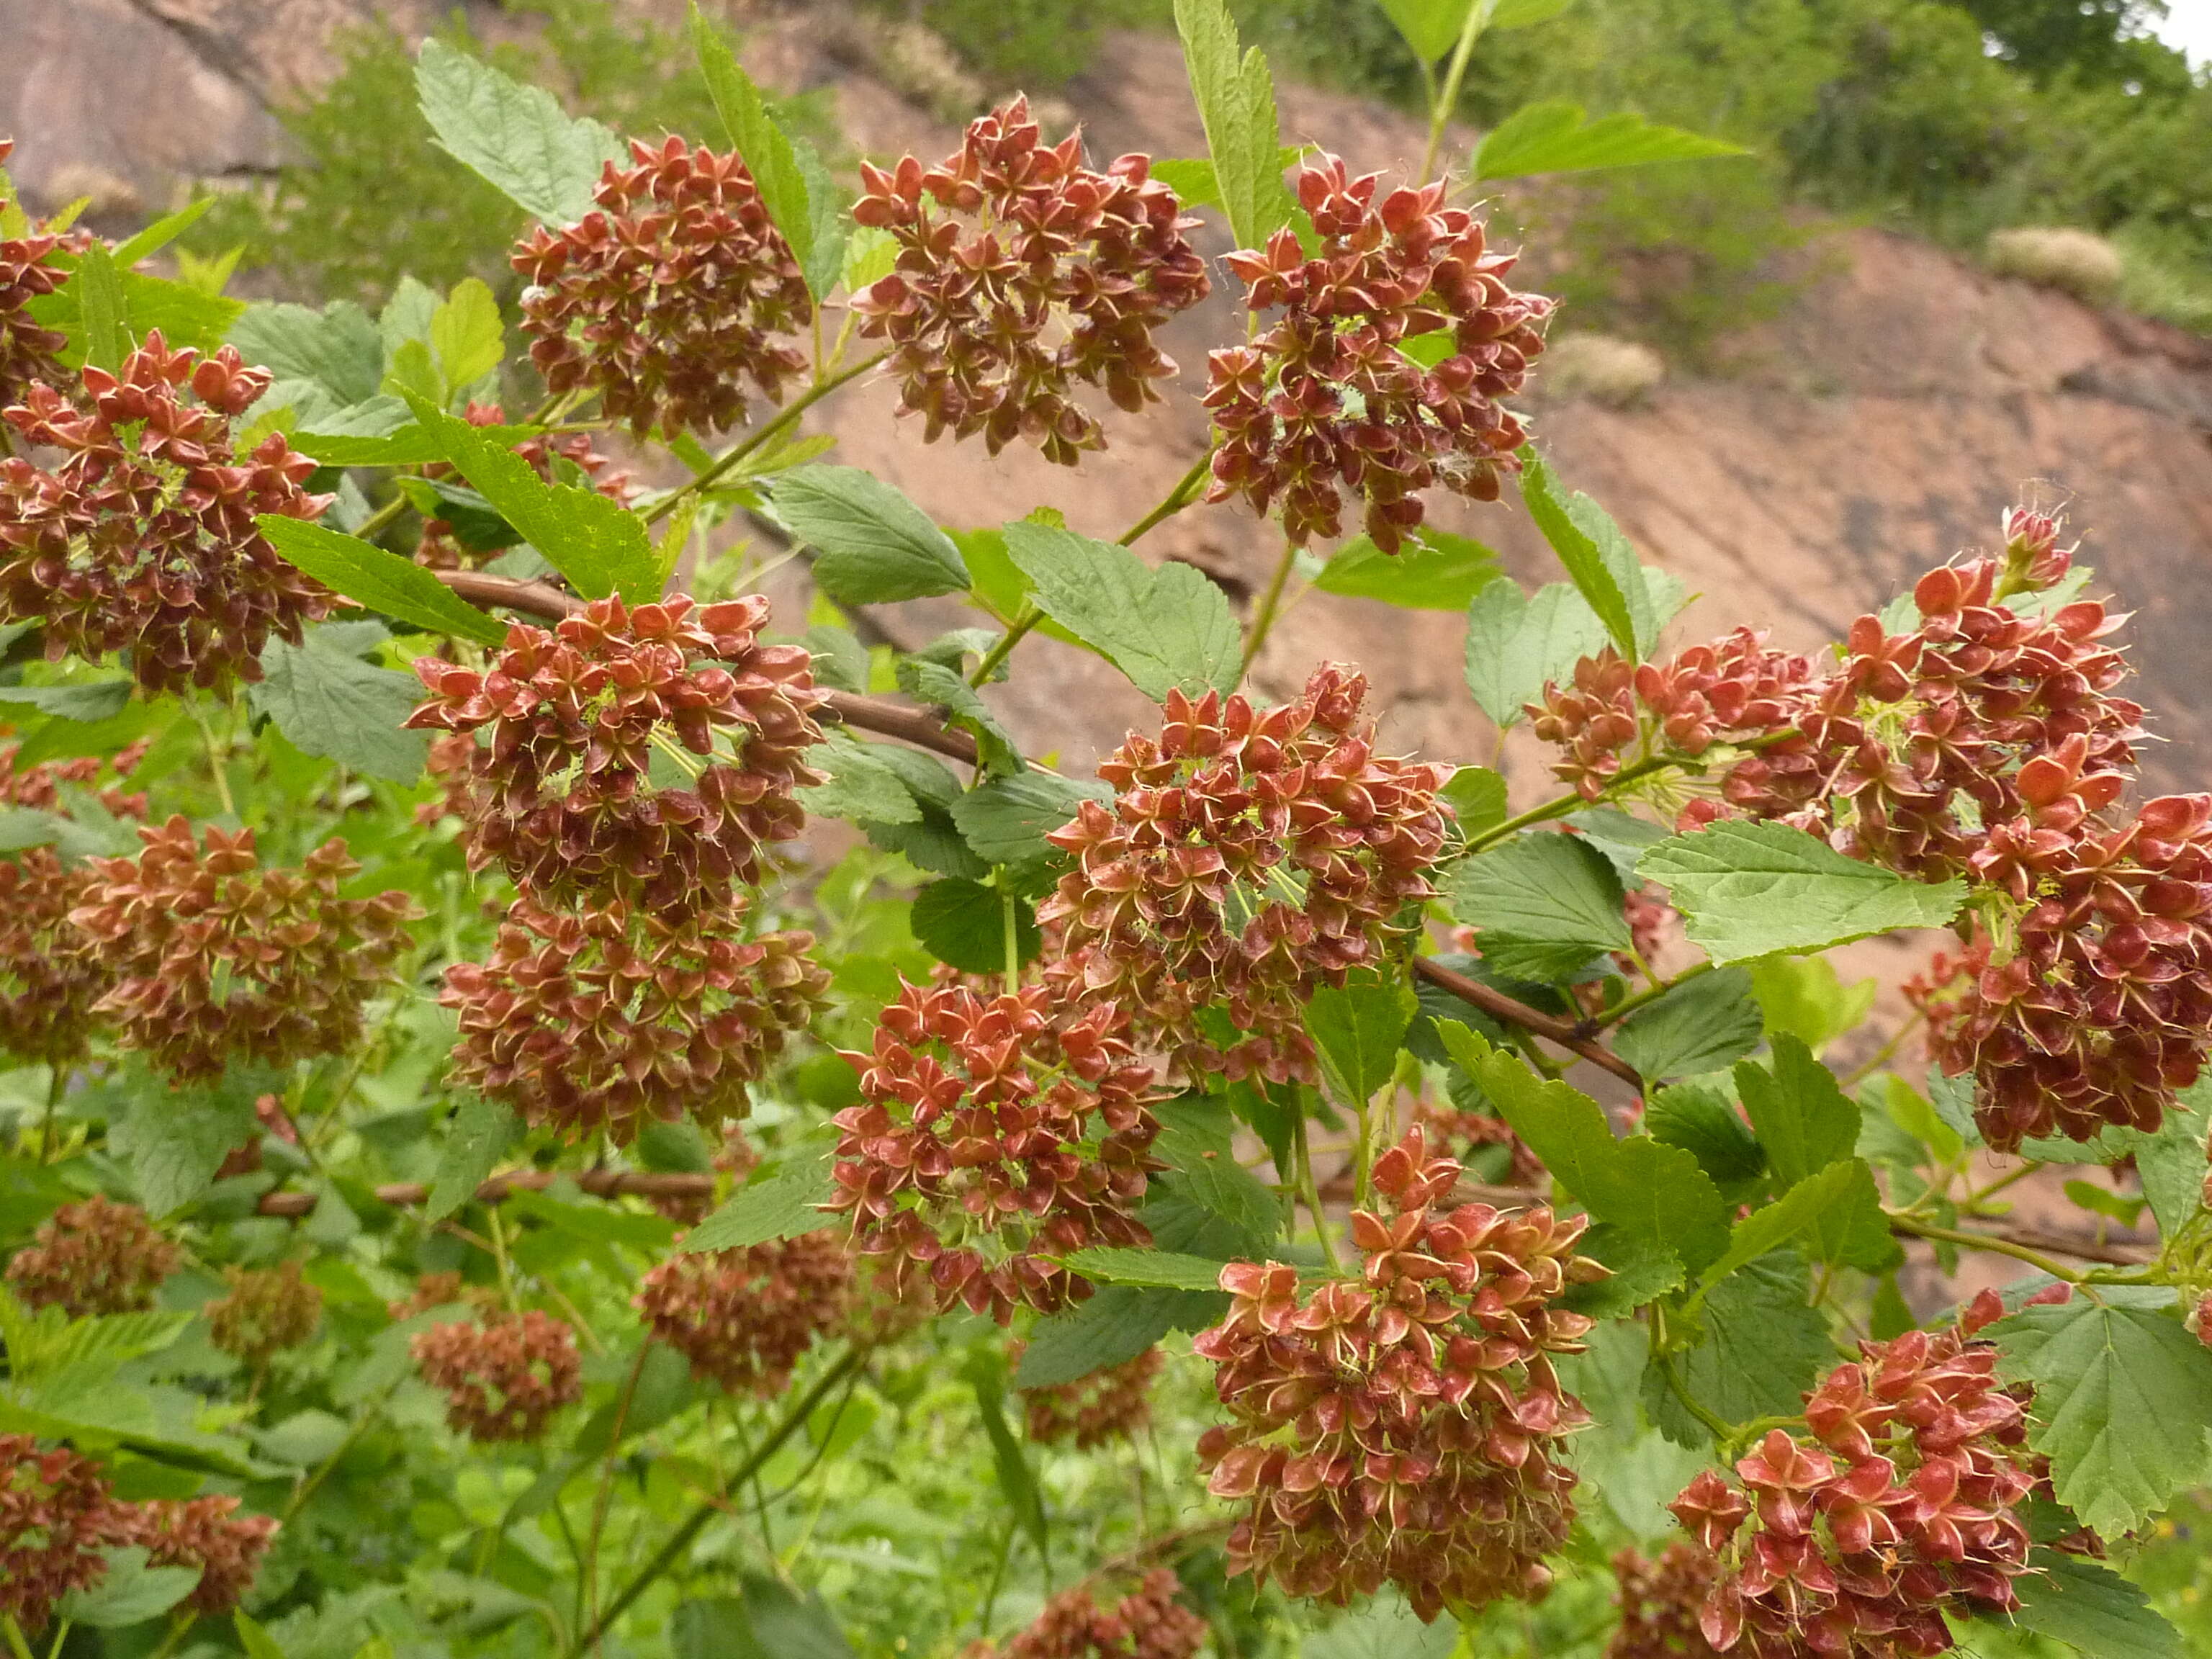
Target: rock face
{"type": "Point", "coordinates": [1878, 429]}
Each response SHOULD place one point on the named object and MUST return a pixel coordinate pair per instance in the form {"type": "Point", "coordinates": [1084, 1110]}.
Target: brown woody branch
{"type": "Point", "coordinates": [1513, 1011]}
{"type": "Point", "coordinates": [600, 1183]}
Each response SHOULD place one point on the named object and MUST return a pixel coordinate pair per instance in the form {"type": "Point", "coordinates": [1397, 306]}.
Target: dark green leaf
{"type": "Point", "coordinates": [1701, 1025]}
{"type": "Point", "coordinates": [517, 137]}
{"type": "Point", "coordinates": [1622, 839]}
{"type": "Point", "coordinates": [1763, 1348]}
{"type": "Point", "coordinates": [601, 547]}
{"type": "Point", "coordinates": [1705, 1123]}
{"type": "Point", "coordinates": [101, 308]}
{"type": "Point", "coordinates": [1164, 1269]}
{"type": "Point", "coordinates": [760, 144]}
{"type": "Point", "coordinates": [1554, 136]}
{"type": "Point", "coordinates": [482, 1132]}
{"type": "Point", "coordinates": [862, 787]}
{"type": "Point", "coordinates": [1597, 558]}
{"type": "Point", "coordinates": [782, 1200]}
{"type": "Point", "coordinates": [177, 1137]}
{"type": "Point", "coordinates": [1166, 629]}
{"type": "Point", "coordinates": [85, 701]}
{"type": "Point", "coordinates": [1515, 644]}
{"type": "Point", "coordinates": [400, 588]}
{"type": "Point", "coordinates": [1236, 99]}
{"type": "Point", "coordinates": [1642, 1267]}
{"type": "Point", "coordinates": [783, 1624]}
{"type": "Point", "coordinates": [874, 545]}
{"type": "Point", "coordinates": [1113, 1327]}
{"type": "Point", "coordinates": [829, 222]}
{"type": "Point", "coordinates": [1747, 889]}
{"type": "Point", "coordinates": [1434, 571]}
{"type": "Point", "coordinates": [1356, 1029]}
{"type": "Point", "coordinates": [328, 702]}
{"type": "Point", "coordinates": [933, 682]}
{"type": "Point", "coordinates": [2123, 1401]}
{"type": "Point", "coordinates": [1006, 819]}
{"type": "Point", "coordinates": [1017, 1482]}
{"type": "Point", "coordinates": [1542, 904]}
{"type": "Point", "coordinates": [338, 348]}
{"type": "Point", "coordinates": [2092, 1609]}
{"type": "Point", "coordinates": [1477, 797]}
{"type": "Point", "coordinates": [963, 925]}
{"type": "Point", "coordinates": [130, 1593]}
{"type": "Point", "coordinates": [1194, 1141]}
{"type": "Point", "coordinates": [1803, 1119]}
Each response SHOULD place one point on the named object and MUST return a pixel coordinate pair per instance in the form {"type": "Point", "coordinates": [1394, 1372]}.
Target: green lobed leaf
{"type": "Point", "coordinates": [1763, 1348]}
{"type": "Point", "coordinates": [762, 144]}
{"type": "Point", "coordinates": [1356, 1029]}
{"type": "Point", "coordinates": [1748, 889]}
{"type": "Point", "coordinates": [1169, 629]}
{"type": "Point", "coordinates": [102, 310]}
{"type": "Point", "coordinates": [384, 582]}
{"type": "Point", "coordinates": [1477, 797]}
{"type": "Point", "coordinates": [1597, 558]}
{"type": "Point", "coordinates": [2171, 1161]}
{"type": "Point", "coordinates": [1006, 820]}
{"type": "Point", "coordinates": [130, 1593]}
{"type": "Point", "coordinates": [327, 701]}
{"type": "Point", "coordinates": [1814, 1200]}
{"type": "Point", "coordinates": [1195, 1140]}
{"type": "Point", "coordinates": [933, 682]}
{"type": "Point", "coordinates": [600, 546]}
{"type": "Point", "coordinates": [338, 348]}
{"type": "Point", "coordinates": [87, 701]}
{"type": "Point", "coordinates": [782, 1200]}
{"type": "Point", "coordinates": [516, 137]}
{"type": "Point", "coordinates": [872, 545]}
{"type": "Point", "coordinates": [1704, 1123]}
{"type": "Point", "coordinates": [466, 336]}
{"type": "Point", "coordinates": [1516, 643]}
{"type": "Point", "coordinates": [1543, 905]}
{"type": "Point", "coordinates": [483, 1130]}
{"type": "Point", "coordinates": [1236, 99]}
{"type": "Point", "coordinates": [1804, 997]}
{"type": "Point", "coordinates": [963, 925]}
{"type": "Point", "coordinates": [1803, 1119]}
{"type": "Point", "coordinates": [1119, 1322]}
{"type": "Point", "coordinates": [863, 786]}
{"type": "Point", "coordinates": [1556, 136]}
{"type": "Point", "coordinates": [1163, 1269]}
{"type": "Point", "coordinates": [1700, 1026]}
{"type": "Point", "coordinates": [1435, 570]}
{"type": "Point", "coordinates": [2091, 1608]}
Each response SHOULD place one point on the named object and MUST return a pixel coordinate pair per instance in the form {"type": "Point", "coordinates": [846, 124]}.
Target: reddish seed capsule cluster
{"type": "Point", "coordinates": [743, 1317]}
{"type": "Point", "coordinates": [92, 1257]}
{"type": "Point", "coordinates": [1900, 1505]}
{"type": "Point", "coordinates": [1109, 1404]}
{"type": "Point", "coordinates": [1021, 273]}
{"type": "Point", "coordinates": [206, 1533]}
{"type": "Point", "coordinates": [1403, 1427]}
{"type": "Point", "coordinates": [213, 956]}
{"type": "Point", "coordinates": [561, 793]}
{"type": "Point", "coordinates": [603, 1017]}
{"type": "Point", "coordinates": [1148, 1623]}
{"type": "Point", "coordinates": [441, 549]}
{"type": "Point", "coordinates": [1328, 401]}
{"type": "Point", "coordinates": [29, 353]}
{"type": "Point", "coordinates": [1660, 1603]}
{"type": "Point", "coordinates": [1447, 1127]}
{"type": "Point", "coordinates": [504, 1377]}
{"type": "Point", "coordinates": [142, 538]}
{"type": "Point", "coordinates": [995, 1136]}
{"type": "Point", "coordinates": [1249, 859]}
{"type": "Point", "coordinates": [665, 298]}
{"type": "Point", "coordinates": [264, 1313]}
{"type": "Point", "coordinates": [55, 1516]}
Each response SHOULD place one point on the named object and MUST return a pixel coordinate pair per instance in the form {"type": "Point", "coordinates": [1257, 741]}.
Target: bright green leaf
{"type": "Point", "coordinates": [362, 571]}
{"type": "Point", "coordinates": [1169, 629]}
{"type": "Point", "coordinates": [1477, 797]}
{"type": "Point", "coordinates": [1801, 1115]}
{"type": "Point", "coordinates": [780, 1201]}
{"type": "Point", "coordinates": [483, 1130]}
{"type": "Point", "coordinates": [1356, 1029]}
{"type": "Point", "coordinates": [1543, 905]}
{"type": "Point", "coordinates": [1434, 571]}
{"type": "Point", "coordinates": [1556, 137]}
{"type": "Point", "coordinates": [759, 142]}
{"type": "Point", "coordinates": [517, 137]}
{"type": "Point", "coordinates": [1164, 1269]}
{"type": "Point", "coordinates": [1236, 99]}
{"type": "Point", "coordinates": [874, 545]}
{"type": "Point", "coordinates": [466, 336]}
{"type": "Point", "coordinates": [1515, 644]}
{"type": "Point", "coordinates": [327, 701]}
{"type": "Point", "coordinates": [1597, 558]}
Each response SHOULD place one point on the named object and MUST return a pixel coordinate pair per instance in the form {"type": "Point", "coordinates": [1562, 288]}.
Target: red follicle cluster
{"type": "Point", "coordinates": [1735, 688]}
{"type": "Point", "coordinates": [1403, 1427]}
{"type": "Point", "coordinates": [92, 1257]}
{"type": "Point", "coordinates": [995, 1136]}
{"type": "Point", "coordinates": [605, 1017]}
{"type": "Point", "coordinates": [1900, 1504]}
{"type": "Point", "coordinates": [1111, 1403]}
{"type": "Point", "coordinates": [142, 538]}
{"type": "Point", "coordinates": [1248, 858]}
{"type": "Point", "coordinates": [665, 298]}
{"type": "Point", "coordinates": [503, 1377]}
{"type": "Point", "coordinates": [56, 1516]}
{"type": "Point", "coordinates": [213, 956]}
{"type": "Point", "coordinates": [1449, 1128]}
{"type": "Point", "coordinates": [29, 353]}
{"type": "Point", "coordinates": [743, 1317]}
{"type": "Point", "coordinates": [1660, 1603]}
{"type": "Point", "coordinates": [206, 1533]}
{"type": "Point", "coordinates": [1148, 1623]}
{"type": "Point", "coordinates": [1020, 274]}
{"type": "Point", "coordinates": [1329, 399]}
{"type": "Point", "coordinates": [440, 548]}
{"type": "Point", "coordinates": [264, 1313]}
{"type": "Point", "coordinates": [561, 794]}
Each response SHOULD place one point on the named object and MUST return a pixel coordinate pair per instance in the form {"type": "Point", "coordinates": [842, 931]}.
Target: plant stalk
{"type": "Point", "coordinates": [789, 417]}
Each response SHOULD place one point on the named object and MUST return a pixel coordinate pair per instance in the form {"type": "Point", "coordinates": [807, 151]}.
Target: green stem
{"type": "Point", "coordinates": [1919, 1229]}
{"type": "Point", "coordinates": [180, 1624]}
{"type": "Point", "coordinates": [1173, 501]}
{"type": "Point", "coordinates": [1561, 806]}
{"type": "Point", "coordinates": [1722, 1431]}
{"type": "Point", "coordinates": [55, 1090]}
{"type": "Point", "coordinates": [362, 1418]}
{"type": "Point", "coordinates": [498, 1230]}
{"type": "Point", "coordinates": [1363, 1158]}
{"type": "Point", "coordinates": [1271, 603]}
{"type": "Point", "coordinates": [215, 758]}
{"type": "Point", "coordinates": [1310, 1191]}
{"type": "Point", "coordinates": [1018, 630]}
{"type": "Point", "coordinates": [61, 1635]}
{"type": "Point", "coordinates": [1013, 938]}
{"type": "Point", "coordinates": [381, 519]}
{"type": "Point", "coordinates": [1442, 103]}
{"type": "Point", "coordinates": [681, 1540]}
{"type": "Point", "coordinates": [16, 1645]}
{"type": "Point", "coordinates": [813, 394]}
{"type": "Point", "coordinates": [590, 1567]}
{"type": "Point", "coordinates": [1883, 1055]}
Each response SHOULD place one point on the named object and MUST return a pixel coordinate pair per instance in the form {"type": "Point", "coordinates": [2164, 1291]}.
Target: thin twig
{"type": "Point", "coordinates": [1514, 1012]}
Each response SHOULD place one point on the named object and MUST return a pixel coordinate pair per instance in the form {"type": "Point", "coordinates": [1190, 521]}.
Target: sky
{"type": "Point", "coordinates": [2187, 26]}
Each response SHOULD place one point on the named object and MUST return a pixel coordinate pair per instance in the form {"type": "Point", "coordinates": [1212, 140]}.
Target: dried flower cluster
{"type": "Point", "coordinates": [95, 1256]}
{"type": "Point", "coordinates": [265, 1312]}
{"type": "Point", "coordinates": [1404, 1427]}
{"type": "Point", "coordinates": [1021, 273]}
{"type": "Point", "coordinates": [570, 722]}
{"type": "Point", "coordinates": [1148, 1623]}
{"type": "Point", "coordinates": [603, 1017]}
{"type": "Point", "coordinates": [440, 548]}
{"type": "Point", "coordinates": [1900, 1505]}
{"type": "Point", "coordinates": [213, 957]}
{"type": "Point", "coordinates": [1329, 400]}
{"type": "Point", "coordinates": [995, 1136]}
{"type": "Point", "coordinates": [504, 1376]}
{"type": "Point", "coordinates": [1111, 1403]}
{"type": "Point", "coordinates": [28, 353]}
{"type": "Point", "coordinates": [1249, 859]}
{"type": "Point", "coordinates": [743, 1317]}
{"type": "Point", "coordinates": [1660, 1603]}
{"type": "Point", "coordinates": [664, 299]}
{"type": "Point", "coordinates": [141, 539]}
{"type": "Point", "coordinates": [56, 1515]}
{"type": "Point", "coordinates": [206, 1533]}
